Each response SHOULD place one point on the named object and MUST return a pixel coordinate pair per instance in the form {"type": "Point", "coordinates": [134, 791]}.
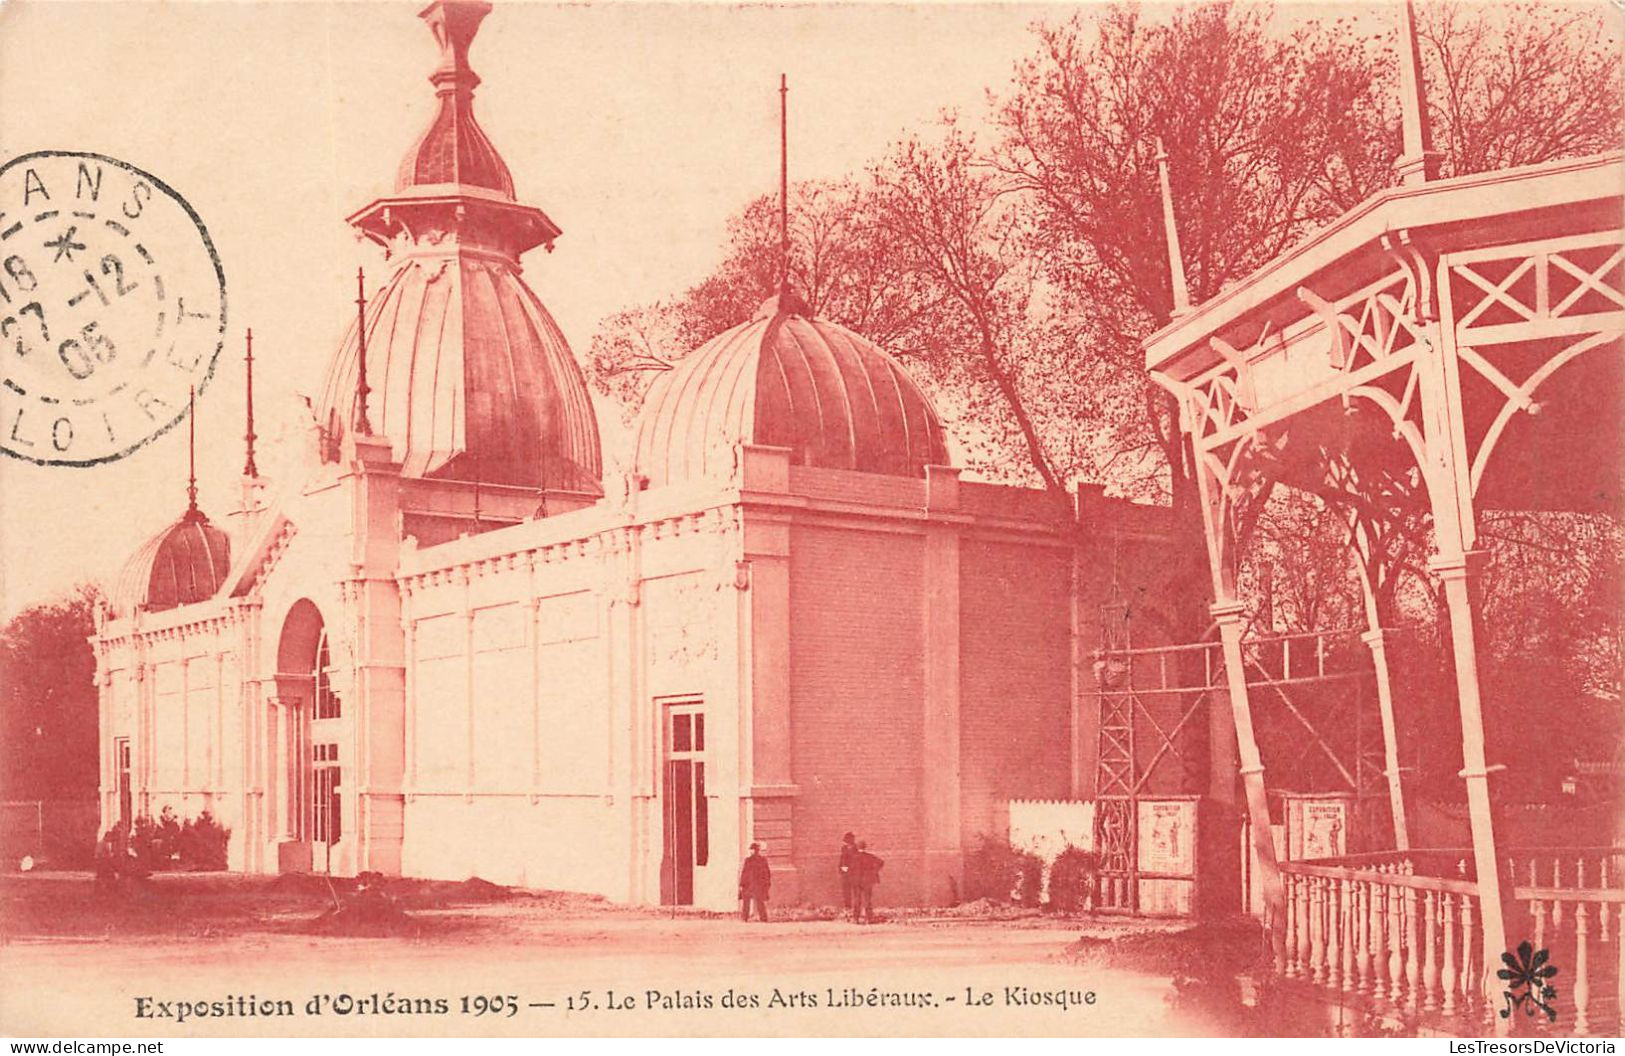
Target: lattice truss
{"type": "Point", "coordinates": [1153, 707]}
{"type": "Point", "coordinates": [1449, 347]}
{"type": "Point", "coordinates": [1446, 350]}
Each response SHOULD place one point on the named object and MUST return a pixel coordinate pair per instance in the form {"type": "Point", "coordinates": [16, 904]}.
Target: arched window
{"type": "Point", "coordinates": [327, 702]}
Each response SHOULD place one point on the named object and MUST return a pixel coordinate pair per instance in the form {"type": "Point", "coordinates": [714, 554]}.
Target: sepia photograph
{"type": "Point", "coordinates": [620, 519]}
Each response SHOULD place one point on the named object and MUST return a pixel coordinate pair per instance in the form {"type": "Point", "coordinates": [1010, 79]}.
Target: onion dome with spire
{"type": "Point", "coordinates": [467, 374]}
{"type": "Point", "coordinates": [788, 379]}
{"type": "Point", "coordinates": [185, 563]}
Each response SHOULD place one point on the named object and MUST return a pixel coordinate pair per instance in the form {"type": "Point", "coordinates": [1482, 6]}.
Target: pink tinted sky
{"type": "Point", "coordinates": [639, 128]}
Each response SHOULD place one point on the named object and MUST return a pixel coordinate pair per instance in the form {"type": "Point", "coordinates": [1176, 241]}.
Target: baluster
{"type": "Point", "coordinates": [1619, 949]}
{"type": "Point", "coordinates": [1396, 943]}
{"type": "Point", "coordinates": [1430, 958]}
{"type": "Point", "coordinates": [1288, 927]}
{"type": "Point", "coordinates": [1317, 929]}
{"type": "Point", "coordinates": [1471, 991]}
{"type": "Point", "coordinates": [1362, 932]}
{"type": "Point", "coordinates": [1334, 935]}
{"type": "Point", "coordinates": [1537, 909]}
{"type": "Point", "coordinates": [1346, 926]}
{"type": "Point", "coordinates": [1447, 919]}
{"type": "Point", "coordinates": [1557, 904]}
{"type": "Point", "coordinates": [1582, 980]}
{"type": "Point", "coordinates": [1305, 965]}
{"type": "Point", "coordinates": [1294, 923]}
{"type": "Point", "coordinates": [1413, 967]}
{"type": "Point", "coordinates": [1377, 921]}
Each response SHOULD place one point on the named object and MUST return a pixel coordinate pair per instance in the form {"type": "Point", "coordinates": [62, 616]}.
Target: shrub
{"type": "Point", "coordinates": [168, 842]}
{"type": "Point", "coordinates": [1072, 880]}
{"type": "Point", "coordinates": [153, 840]}
{"type": "Point", "coordinates": [202, 843]}
{"type": "Point", "coordinates": [998, 871]}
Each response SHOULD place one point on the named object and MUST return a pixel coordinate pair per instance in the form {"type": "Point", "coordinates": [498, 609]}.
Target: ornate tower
{"type": "Point", "coordinates": [469, 377]}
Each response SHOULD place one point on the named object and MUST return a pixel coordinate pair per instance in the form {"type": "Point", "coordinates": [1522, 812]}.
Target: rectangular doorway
{"type": "Point", "coordinates": [686, 845]}
{"type": "Point", "coordinates": [126, 804]}
{"type": "Point", "coordinates": [326, 821]}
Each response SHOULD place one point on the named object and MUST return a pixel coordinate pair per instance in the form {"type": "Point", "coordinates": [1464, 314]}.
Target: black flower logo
{"type": "Point", "coordinates": [1528, 987]}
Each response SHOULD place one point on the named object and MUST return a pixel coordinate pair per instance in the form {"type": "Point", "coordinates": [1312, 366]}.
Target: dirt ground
{"type": "Point", "coordinates": [196, 954]}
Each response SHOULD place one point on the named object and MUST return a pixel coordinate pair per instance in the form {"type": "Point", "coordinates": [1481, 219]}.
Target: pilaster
{"type": "Point", "coordinates": [378, 711]}
{"type": "Point", "coordinates": [769, 781]}
{"type": "Point", "coordinates": [942, 806]}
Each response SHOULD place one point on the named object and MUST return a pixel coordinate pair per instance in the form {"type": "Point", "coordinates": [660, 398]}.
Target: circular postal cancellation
{"type": "Point", "coordinates": [112, 307]}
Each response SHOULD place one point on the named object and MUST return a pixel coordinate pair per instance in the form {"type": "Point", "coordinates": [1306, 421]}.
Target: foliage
{"type": "Point", "coordinates": [48, 701]}
{"type": "Point", "coordinates": [1072, 880]}
{"type": "Point", "coordinates": [168, 842]}
{"type": "Point", "coordinates": [1267, 137]}
{"type": "Point", "coordinates": [1298, 572]}
{"type": "Point", "coordinates": [998, 871]}
{"type": "Point", "coordinates": [202, 843]}
{"type": "Point", "coordinates": [1538, 82]}
{"type": "Point", "coordinates": [155, 843]}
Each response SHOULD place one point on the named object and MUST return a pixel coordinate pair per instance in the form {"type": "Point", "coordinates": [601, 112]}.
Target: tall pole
{"type": "Point", "coordinates": [784, 184]}
{"type": "Point", "coordinates": [250, 470]}
{"type": "Point", "coordinates": [1176, 256]}
{"type": "Point", "coordinates": [363, 426]}
{"type": "Point", "coordinates": [1418, 161]}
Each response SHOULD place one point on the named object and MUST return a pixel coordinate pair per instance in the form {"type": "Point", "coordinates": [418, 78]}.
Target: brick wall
{"type": "Point", "coordinates": [857, 672]}
{"type": "Point", "coordinates": [1015, 658]}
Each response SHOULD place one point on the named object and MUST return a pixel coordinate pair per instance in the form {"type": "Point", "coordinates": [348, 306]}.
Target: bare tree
{"type": "Point", "coordinates": [1517, 84]}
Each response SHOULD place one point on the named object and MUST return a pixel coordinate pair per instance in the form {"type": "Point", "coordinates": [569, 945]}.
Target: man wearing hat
{"type": "Point", "coordinates": [849, 863]}
{"type": "Point", "coordinates": [754, 880]}
{"type": "Point", "coordinates": [865, 875]}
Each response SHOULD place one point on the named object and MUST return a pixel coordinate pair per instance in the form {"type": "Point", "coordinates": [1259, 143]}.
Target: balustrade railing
{"type": "Point", "coordinates": [1403, 929]}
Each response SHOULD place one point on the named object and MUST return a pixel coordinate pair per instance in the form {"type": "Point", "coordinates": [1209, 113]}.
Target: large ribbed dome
{"type": "Point", "coordinates": [471, 380]}
{"type": "Point", "coordinates": [785, 379]}
{"type": "Point", "coordinates": [185, 563]}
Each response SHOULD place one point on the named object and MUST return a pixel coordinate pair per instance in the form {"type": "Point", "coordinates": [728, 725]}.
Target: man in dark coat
{"type": "Point", "coordinates": [866, 869]}
{"type": "Point", "coordinates": [755, 877]}
{"type": "Point", "coordinates": [849, 859]}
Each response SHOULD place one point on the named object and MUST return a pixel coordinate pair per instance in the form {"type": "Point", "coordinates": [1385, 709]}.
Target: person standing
{"type": "Point", "coordinates": [867, 871]}
{"type": "Point", "coordinates": [755, 878]}
{"type": "Point", "coordinates": [849, 860]}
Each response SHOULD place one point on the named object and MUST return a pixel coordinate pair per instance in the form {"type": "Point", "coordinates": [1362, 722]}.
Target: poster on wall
{"type": "Point", "coordinates": [1168, 837]}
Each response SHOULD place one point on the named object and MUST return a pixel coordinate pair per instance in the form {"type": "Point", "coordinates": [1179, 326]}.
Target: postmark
{"type": "Point", "coordinates": [112, 307]}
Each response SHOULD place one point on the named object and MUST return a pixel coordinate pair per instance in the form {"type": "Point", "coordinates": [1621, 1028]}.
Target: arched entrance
{"type": "Point", "coordinates": [311, 745]}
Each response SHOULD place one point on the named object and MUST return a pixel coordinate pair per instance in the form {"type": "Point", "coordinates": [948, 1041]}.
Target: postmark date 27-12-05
{"type": "Point", "coordinates": [112, 307]}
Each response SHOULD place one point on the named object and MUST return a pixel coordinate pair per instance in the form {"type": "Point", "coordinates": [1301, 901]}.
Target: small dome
{"type": "Point", "coordinates": [185, 563]}
{"type": "Point", "coordinates": [454, 149]}
{"type": "Point", "coordinates": [470, 379]}
{"type": "Point", "coordinates": [786, 379]}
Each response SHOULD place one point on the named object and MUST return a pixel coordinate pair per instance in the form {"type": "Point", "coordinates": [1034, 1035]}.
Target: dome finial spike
{"type": "Point", "coordinates": [1176, 257]}
{"type": "Point", "coordinates": [250, 470]}
{"type": "Point", "coordinates": [784, 184]}
{"type": "Point", "coordinates": [363, 425]}
{"type": "Point", "coordinates": [192, 512]}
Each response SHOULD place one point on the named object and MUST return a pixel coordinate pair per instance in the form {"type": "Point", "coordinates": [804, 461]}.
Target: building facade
{"type": "Point", "coordinates": [454, 648]}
